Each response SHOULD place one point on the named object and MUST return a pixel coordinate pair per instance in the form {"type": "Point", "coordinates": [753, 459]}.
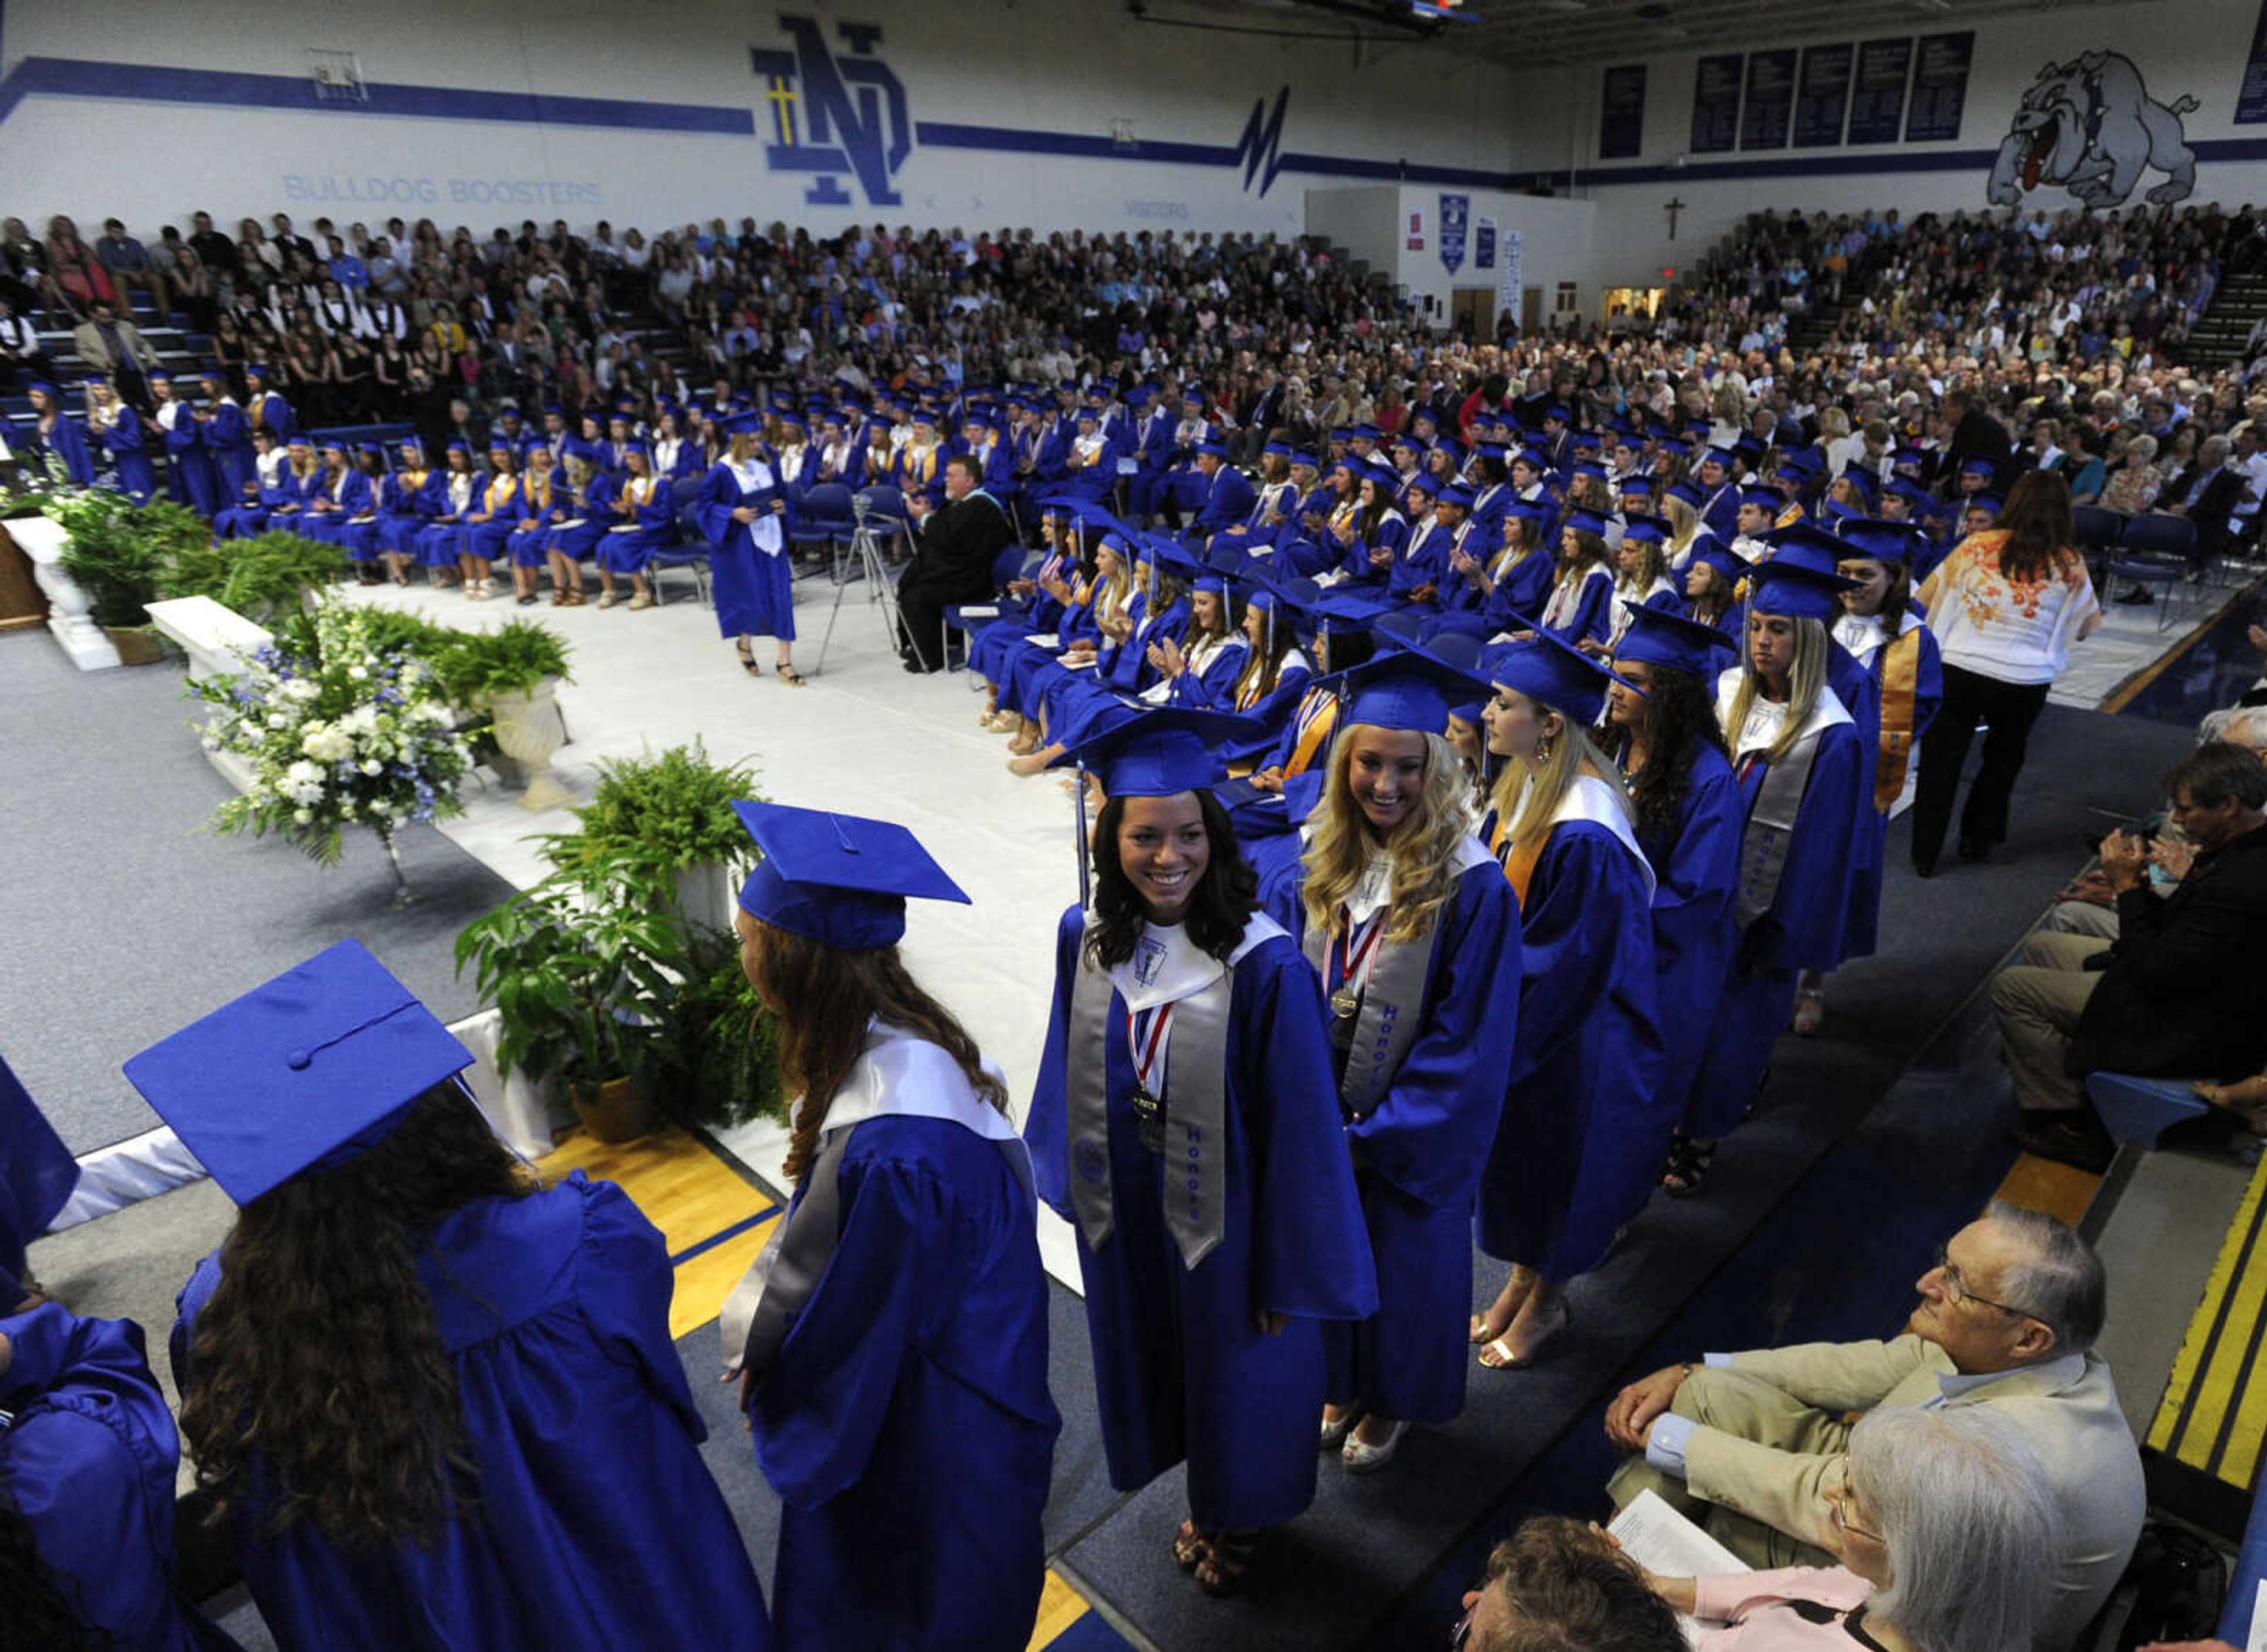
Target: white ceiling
{"type": "Point", "coordinates": [1543, 34]}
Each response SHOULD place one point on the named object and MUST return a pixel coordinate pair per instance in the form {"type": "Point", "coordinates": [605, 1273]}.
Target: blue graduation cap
{"type": "Point", "coordinates": [1216, 449]}
{"type": "Point", "coordinates": [1685, 491]}
{"type": "Point", "coordinates": [1717, 457]}
{"type": "Point", "coordinates": [1795, 590]}
{"type": "Point", "coordinates": [1676, 446]}
{"type": "Point", "coordinates": [1807, 544]}
{"type": "Point", "coordinates": [1585, 522]}
{"type": "Point", "coordinates": [1760, 496]}
{"type": "Point", "coordinates": [1586, 441]}
{"type": "Point", "coordinates": [1161, 754]}
{"type": "Point", "coordinates": [1884, 541]}
{"type": "Point", "coordinates": [1635, 484]}
{"type": "Point", "coordinates": [1716, 554]}
{"type": "Point", "coordinates": [1587, 467]}
{"type": "Point", "coordinates": [839, 879]}
{"type": "Point", "coordinates": [1426, 483]}
{"type": "Point", "coordinates": [312, 1066]}
{"type": "Point", "coordinates": [1913, 494]}
{"type": "Point", "coordinates": [744, 424]}
{"type": "Point", "coordinates": [1457, 494]}
{"type": "Point", "coordinates": [1987, 501]}
{"type": "Point", "coordinates": [1978, 467]}
{"type": "Point", "coordinates": [1646, 529]}
{"type": "Point", "coordinates": [1656, 636]}
{"type": "Point", "coordinates": [1550, 673]}
{"type": "Point", "coordinates": [255, 372]}
{"type": "Point", "coordinates": [1409, 689]}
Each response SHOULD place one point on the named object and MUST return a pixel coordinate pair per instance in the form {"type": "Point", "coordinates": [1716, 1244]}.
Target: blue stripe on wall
{"type": "Point", "coordinates": [1866, 162]}
{"type": "Point", "coordinates": [74, 77]}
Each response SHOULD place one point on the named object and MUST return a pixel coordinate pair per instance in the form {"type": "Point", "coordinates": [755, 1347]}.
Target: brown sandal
{"type": "Point", "coordinates": [1227, 1567]}
{"type": "Point", "coordinates": [1191, 1547]}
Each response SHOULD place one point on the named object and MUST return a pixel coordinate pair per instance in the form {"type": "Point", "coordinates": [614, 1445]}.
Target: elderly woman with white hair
{"type": "Point", "coordinates": [1946, 1533]}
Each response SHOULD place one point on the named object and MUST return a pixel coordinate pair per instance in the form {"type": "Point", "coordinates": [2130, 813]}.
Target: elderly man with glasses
{"type": "Point", "coordinates": [1754, 1445]}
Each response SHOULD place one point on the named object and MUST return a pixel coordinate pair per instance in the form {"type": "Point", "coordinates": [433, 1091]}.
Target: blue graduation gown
{"type": "Point", "coordinates": [1419, 1152]}
{"type": "Point", "coordinates": [90, 1462]}
{"type": "Point", "coordinates": [754, 588]}
{"type": "Point", "coordinates": [906, 1425]}
{"type": "Point", "coordinates": [406, 509]}
{"type": "Point", "coordinates": [1861, 697]}
{"type": "Point", "coordinates": [1696, 878]}
{"type": "Point", "coordinates": [1583, 1133]}
{"type": "Point", "coordinates": [1801, 930]}
{"type": "Point", "coordinates": [37, 1174]}
{"type": "Point", "coordinates": [1224, 502]}
{"type": "Point", "coordinates": [137, 478]}
{"type": "Point", "coordinates": [68, 443]}
{"type": "Point", "coordinates": [227, 440]}
{"type": "Point", "coordinates": [1182, 1369]}
{"type": "Point", "coordinates": [598, 1526]}
{"type": "Point", "coordinates": [1590, 614]}
{"type": "Point", "coordinates": [191, 479]}
{"type": "Point", "coordinates": [1214, 688]}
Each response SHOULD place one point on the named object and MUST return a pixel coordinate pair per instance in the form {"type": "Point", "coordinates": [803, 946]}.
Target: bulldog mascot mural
{"type": "Point", "coordinates": [2091, 127]}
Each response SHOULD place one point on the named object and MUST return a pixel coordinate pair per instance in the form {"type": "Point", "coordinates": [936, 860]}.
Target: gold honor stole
{"type": "Point", "coordinates": [1518, 860]}
{"type": "Point", "coordinates": [1900, 678]}
{"type": "Point", "coordinates": [1318, 715]}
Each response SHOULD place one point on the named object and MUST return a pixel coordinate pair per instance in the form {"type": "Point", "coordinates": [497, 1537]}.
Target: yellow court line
{"type": "Point", "coordinates": [683, 1188]}
{"type": "Point", "coordinates": [2226, 1275]}
{"type": "Point", "coordinates": [704, 1281]}
{"type": "Point", "coordinates": [1060, 1606]}
{"type": "Point", "coordinates": [2130, 690]}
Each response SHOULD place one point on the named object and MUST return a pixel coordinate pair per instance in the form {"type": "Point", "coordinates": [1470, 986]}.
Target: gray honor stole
{"type": "Point", "coordinates": [898, 1074]}
{"type": "Point", "coordinates": [1181, 996]}
{"type": "Point", "coordinates": [1770, 830]}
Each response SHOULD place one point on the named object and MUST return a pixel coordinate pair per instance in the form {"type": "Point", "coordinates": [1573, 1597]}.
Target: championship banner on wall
{"type": "Point", "coordinates": [1484, 243]}
{"type": "Point", "coordinates": [1508, 288]}
{"type": "Point", "coordinates": [1456, 214]}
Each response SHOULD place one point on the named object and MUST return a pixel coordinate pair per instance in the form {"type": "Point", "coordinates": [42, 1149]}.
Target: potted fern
{"type": "Point", "coordinates": [117, 552]}
{"type": "Point", "coordinates": [675, 811]}
{"type": "Point", "coordinates": [512, 674]}
{"type": "Point", "coordinates": [265, 579]}
{"type": "Point", "coordinates": [729, 1041]}
{"type": "Point", "coordinates": [583, 971]}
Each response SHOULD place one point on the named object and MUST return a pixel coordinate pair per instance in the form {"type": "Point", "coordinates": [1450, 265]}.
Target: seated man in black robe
{"type": "Point", "coordinates": [955, 545]}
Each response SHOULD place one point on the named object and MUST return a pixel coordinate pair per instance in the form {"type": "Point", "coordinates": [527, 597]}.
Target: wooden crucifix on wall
{"type": "Point", "coordinates": [1673, 207]}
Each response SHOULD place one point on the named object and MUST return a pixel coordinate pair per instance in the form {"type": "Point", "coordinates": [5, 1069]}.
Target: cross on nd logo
{"type": "Point", "coordinates": [833, 115]}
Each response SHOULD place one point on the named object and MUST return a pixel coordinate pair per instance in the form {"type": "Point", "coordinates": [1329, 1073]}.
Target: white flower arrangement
{"type": "Point", "coordinates": [338, 732]}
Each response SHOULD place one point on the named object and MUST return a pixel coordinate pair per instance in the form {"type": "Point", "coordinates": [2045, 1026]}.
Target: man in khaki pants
{"type": "Point", "coordinates": [1750, 1444]}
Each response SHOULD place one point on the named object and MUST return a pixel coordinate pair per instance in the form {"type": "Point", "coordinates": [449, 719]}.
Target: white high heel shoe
{"type": "Point", "coordinates": [1362, 1458]}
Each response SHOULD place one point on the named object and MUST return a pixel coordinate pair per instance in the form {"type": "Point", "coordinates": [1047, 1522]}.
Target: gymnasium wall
{"type": "Point", "coordinates": [1069, 114]}
{"type": "Point", "coordinates": [2154, 88]}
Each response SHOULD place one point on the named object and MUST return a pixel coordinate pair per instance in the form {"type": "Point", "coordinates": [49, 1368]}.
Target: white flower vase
{"type": "Point", "coordinates": [528, 730]}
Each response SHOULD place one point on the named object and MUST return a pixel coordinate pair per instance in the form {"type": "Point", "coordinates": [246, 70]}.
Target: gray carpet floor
{"type": "Point", "coordinates": [128, 920]}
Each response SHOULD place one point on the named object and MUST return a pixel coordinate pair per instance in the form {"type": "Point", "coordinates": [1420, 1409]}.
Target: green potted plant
{"type": "Point", "coordinates": [116, 552]}
{"type": "Point", "coordinates": [729, 1039]}
{"type": "Point", "coordinates": [265, 578]}
{"type": "Point", "coordinates": [674, 811]}
{"type": "Point", "coordinates": [583, 971]}
{"type": "Point", "coordinates": [512, 675]}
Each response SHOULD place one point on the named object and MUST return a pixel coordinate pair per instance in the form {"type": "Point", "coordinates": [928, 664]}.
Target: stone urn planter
{"type": "Point", "coordinates": [706, 895]}
{"type": "Point", "coordinates": [136, 644]}
{"type": "Point", "coordinates": [528, 729]}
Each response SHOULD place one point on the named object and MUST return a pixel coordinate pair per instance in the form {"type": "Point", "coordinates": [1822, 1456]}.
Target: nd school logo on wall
{"type": "Point", "coordinates": [834, 116]}
{"type": "Point", "coordinates": [2090, 127]}
{"type": "Point", "coordinates": [840, 112]}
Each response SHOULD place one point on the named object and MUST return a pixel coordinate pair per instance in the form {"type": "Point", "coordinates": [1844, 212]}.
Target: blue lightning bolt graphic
{"type": "Point", "coordinates": [1258, 150]}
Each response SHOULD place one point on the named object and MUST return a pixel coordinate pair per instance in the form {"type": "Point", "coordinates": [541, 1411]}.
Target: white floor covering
{"type": "Point", "coordinates": [863, 737]}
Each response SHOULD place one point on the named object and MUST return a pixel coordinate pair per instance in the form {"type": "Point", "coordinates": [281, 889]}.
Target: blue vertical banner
{"type": "Point", "coordinates": [1770, 105]}
{"type": "Point", "coordinates": [1940, 87]}
{"type": "Point", "coordinates": [2251, 100]}
{"type": "Point", "coordinates": [1484, 243]}
{"type": "Point", "coordinates": [1621, 113]}
{"type": "Point", "coordinates": [1877, 102]}
{"type": "Point", "coordinates": [1822, 96]}
{"type": "Point", "coordinates": [1716, 103]}
{"type": "Point", "coordinates": [1510, 287]}
{"type": "Point", "coordinates": [1456, 218]}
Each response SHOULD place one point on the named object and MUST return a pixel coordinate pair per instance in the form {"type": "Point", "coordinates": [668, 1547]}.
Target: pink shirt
{"type": "Point", "coordinates": [1757, 1612]}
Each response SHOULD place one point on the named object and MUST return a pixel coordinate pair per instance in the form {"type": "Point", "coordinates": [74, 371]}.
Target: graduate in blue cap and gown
{"type": "Point", "coordinates": [1580, 605]}
{"type": "Point", "coordinates": [358, 533]}
{"type": "Point", "coordinates": [1416, 942]}
{"type": "Point", "coordinates": [644, 521]}
{"type": "Point", "coordinates": [1037, 690]}
{"type": "Point", "coordinates": [1184, 1121]}
{"type": "Point", "coordinates": [409, 497]}
{"type": "Point", "coordinates": [543, 502]}
{"type": "Point", "coordinates": [1714, 575]}
{"type": "Point", "coordinates": [1507, 586]}
{"type": "Point", "coordinates": [1200, 668]}
{"type": "Point", "coordinates": [54, 431]}
{"type": "Point", "coordinates": [440, 543]}
{"type": "Point", "coordinates": [1661, 728]}
{"type": "Point", "coordinates": [1033, 606]}
{"type": "Point", "coordinates": [37, 1174]}
{"type": "Point", "coordinates": [743, 514]}
{"type": "Point", "coordinates": [891, 1342]}
{"type": "Point", "coordinates": [1582, 1134]}
{"type": "Point", "coordinates": [1889, 642]}
{"type": "Point", "coordinates": [265, 407]}
{"type": "Point", "coordinates": [117, 428]}
{"type": "Point", "coordinates": [489, 523]}
{"type": "Point", "coordinates": [1803, 771]}
{"type": "Point", "coordinates": [1641, 580]}
{"type": "Point", "coordinates": [436, 1403]}
{"type": "Point", "coordinates": [1223, 495]}
{"type": "Point", "coordinates": [225, 434]}
{"type": "Point", "coordinates": [88, 1461]}
{"type": "Point", "coordinates": [1274, 672]}
{"type": "Point", "coordinates": [191, 477]}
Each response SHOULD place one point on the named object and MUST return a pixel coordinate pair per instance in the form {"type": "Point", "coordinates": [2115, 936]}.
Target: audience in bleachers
{"type": "Point", "coordinates": [1757, 1445]}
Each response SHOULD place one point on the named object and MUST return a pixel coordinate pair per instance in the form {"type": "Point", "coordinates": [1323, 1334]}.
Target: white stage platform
{"type": "Point", "coordinates": [866, 737]}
